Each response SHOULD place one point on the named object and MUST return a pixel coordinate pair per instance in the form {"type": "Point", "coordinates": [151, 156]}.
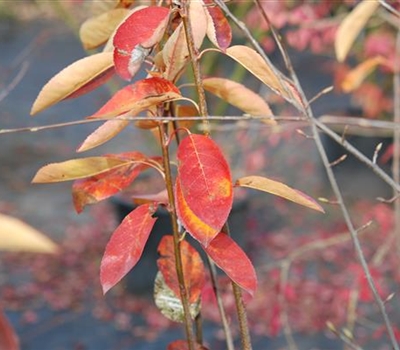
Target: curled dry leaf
{"type": "Point", "coordinates": [95, 31]}
{"type": "Point", "coordinates": [279, 189]}
{"type": "Point", "coordinates": [76, 169]}
{"type": "Point", "coordinates": [169, 304]}
{"type": "Point", "coordinates": [210, 195]}
{"type": "Point", "coordinates": [17, 236]}
{"type": "Point", "coordinates": [356, 76]}
{"type": "Point", "coordinates": [80, 77]}
{"type": "Point", "coordinates": [230, 258]}
{"type": "Point", "coordinates": [193, 268]}
{"type": "Point", "coordinates": [136, 36]}
{"type": "Point", "coordinates": [239, 96]}
{"type": "Point", "coordinates": [218, 29]}
{"type": "Point", "coordinates": [175, 51]}
{"type": "Point", "coordinates": [126, 245]}
{"type": "Point", "coordinates": [352, 25]}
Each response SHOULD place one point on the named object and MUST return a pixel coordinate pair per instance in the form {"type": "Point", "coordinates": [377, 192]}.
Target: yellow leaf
{"type": "Point", "coordinates": [265, 72]}
{"type": "Point", "coordinates": [76, 169]}
{"type": "Point", "coordinates": [103, 133]}
{"type": "Point", "coordinates": [239, 96]}
{"type": "Point", "coordinates": [351, 26]}
{"type": "Point", "coordinates": [17, 236]}
{"type": "Point", "coordinates": [278, 189]}
{"type": "Point", "coordinates": [356, 76]}
{"type": "Point", "coordinates": [97, 30]}
{"type": "Point", "coordinates": [71, 79]}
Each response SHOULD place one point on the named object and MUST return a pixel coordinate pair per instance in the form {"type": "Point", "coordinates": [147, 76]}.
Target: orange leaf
{"type": "Point", "coordinates": [126, 245]}
{"type": "Point", "coordinates": [352, 25]}
{"type": "Point", "coordinates": [230, 258]}
{"type": "Point", "coordinates": [205, 182]}
{"type": "Point", "coordinates": [137, 97]}
{"type": "Point", "coordinates": [279, 189]}
{"type": "Point", "coordinates": [193, 268]}
{"type": "Point", "coordinates": [140, 31]}
{"type": "Point", "coordinates": [76, 169]}
{"type": "Point", "coordinates": [198, 229]}
{"type": "Point", "coordinates": [183, 345]}
{"type": "Point", "coordinates": [356, 76]}
{"type": "Point", "coordinates": [99, 187]}
{"type": "Point", "coordinates": [239, 96]}
{"type": "Point", "coordinates": [80, 77]}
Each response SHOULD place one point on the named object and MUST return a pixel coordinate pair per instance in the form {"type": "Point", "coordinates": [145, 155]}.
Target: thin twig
{"type": "Point", "coordinates": [221, 308]}
{"type": "Point", "coordinates": [396, 138]}
{"type": "Point", "coordinates": [16, 80]}
{"type": "Point", "coordinates": [177, 243]}
{"type": "Point", "coordinates": [332, 179]}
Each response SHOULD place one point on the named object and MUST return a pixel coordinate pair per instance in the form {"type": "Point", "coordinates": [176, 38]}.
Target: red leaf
{"type": "Point", "coordinates": [8, 338]}
{"type": "Point", "coordinates": [193, 268]}
{"type": "Point", "coordinates": [230, 258]}
{"type": "Point", "coordinates": [205, 182]}
{"type": "Point", "coordinates": [99, 187]}
{"type": "Point", "coordinates": [218, 30]}
{"type": "Point", "coordinates": [138, 33]}
{"type": "Point", "coordinates": [183, 345]}
{"type": "Point", "coordinates": [148, 91]}
{"type": "Point", "coordinates": [126, 245]}
{"type": "Point", "coordinates": [196, 227]}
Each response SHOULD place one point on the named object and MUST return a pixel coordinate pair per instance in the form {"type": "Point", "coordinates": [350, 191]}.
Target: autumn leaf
{"type": "Point", "coordinates": [230, 258]}
{"type": "Point", "coordinates": [193, 268]}
{"type": "Point", "coordinates": [126, 245]}
{"type": "Point", "coordinates": [103, 133]}
{"type": "Point", "coordinates": [127, 102]}
{"type": "Point", "coordinates": [169, 304]}
{"type": "Point", "coordinates": [175, 52]}
{"type": "Point", "coordinates": [183, 345]}
{"type": "Point", "coordinates": [279, 189]}
{"type": "Point", "coordinates": [356, 76]}
{"type": "Point", "coordinates": [8, 338]}
{"type": "Point", "coordinates": [101, 186]}
{"type": "Point", "coordinates": [351, 27]}
{"type": "Point", "coordinates": [78, 78]}
{"type": "Point", "coordinates": [205, 183]}
{"type": "Point", "coordinates": [137, 97]}
{"type": "Point", "coordinates": [76, 169]}
{"type": "Point", "coordinates": [95, 31]}
{"type": "Point", "coordinates": [218, 29]}
{"type": "Point", "coordinates": [135, 36]}
{"type": "Point", "coordinates": [263, 71]}
{"type": "Point", "coordinates": [17, 236]}
{"type": "Point", "coordinates": [197, 228]}
{"type": "Point", "coordinates": [239, 96]}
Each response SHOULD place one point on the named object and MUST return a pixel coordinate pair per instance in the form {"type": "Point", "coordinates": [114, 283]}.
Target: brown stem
{"type": "Point", "coordinates": [241, 310]}
{"type": "Point", "coordinates": [222, 313]}
{"type": "Point", "coordinates": [177, 249]}
{"type": "Point", "coordinates": [193, 53]}
{"type": "Point", "coordinates": [396, 140]}
{"type": "Point", "coordinates": [199, 328]}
